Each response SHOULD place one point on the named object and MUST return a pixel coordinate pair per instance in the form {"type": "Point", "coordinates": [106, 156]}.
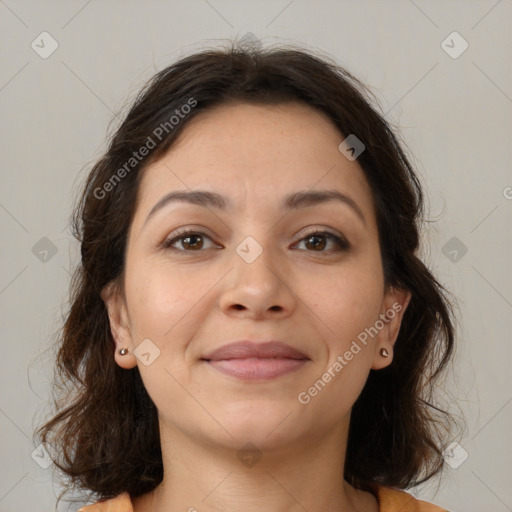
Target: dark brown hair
{"type": "Point", "coordinates": [105, 434]}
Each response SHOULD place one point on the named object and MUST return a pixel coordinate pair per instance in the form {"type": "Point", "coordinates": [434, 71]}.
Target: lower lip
{"type": "Point", "coordinates": [256, 368]}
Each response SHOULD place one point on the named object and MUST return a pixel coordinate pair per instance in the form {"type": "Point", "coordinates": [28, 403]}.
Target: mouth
{"type": "Point", "coordinates": [247, 360]}
{"type": "Point", "coordinates": [257, 369]}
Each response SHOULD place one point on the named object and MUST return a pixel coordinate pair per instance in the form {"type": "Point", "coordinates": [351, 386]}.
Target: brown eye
{"type": "Point", "coordinates": [317, 241]}
{"type": "Point", "coordinates": [190, 241]}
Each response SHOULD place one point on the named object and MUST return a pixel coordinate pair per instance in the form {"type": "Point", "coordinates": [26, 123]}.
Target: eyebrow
{"type": "Point", "coordinates": [294, 201]}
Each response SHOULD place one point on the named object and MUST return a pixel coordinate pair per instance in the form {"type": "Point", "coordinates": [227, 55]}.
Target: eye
{"type": "Point", "coordinates": [317, 240]}
{"type": "Point", "coordinates": [190, 240]}
{"type": "Point", "coordinates": [194, 241]}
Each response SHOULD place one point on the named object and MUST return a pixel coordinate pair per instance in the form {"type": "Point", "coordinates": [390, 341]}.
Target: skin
{"type": "Point", "coordinates": [191, 302]}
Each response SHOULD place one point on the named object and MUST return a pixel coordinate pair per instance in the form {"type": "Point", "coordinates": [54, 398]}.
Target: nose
{"type": "Point", "coordinates": [258, 289]}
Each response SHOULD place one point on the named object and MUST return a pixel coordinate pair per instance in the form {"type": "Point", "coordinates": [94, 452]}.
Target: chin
{"type": "Point", "coordinates": [265, 427]}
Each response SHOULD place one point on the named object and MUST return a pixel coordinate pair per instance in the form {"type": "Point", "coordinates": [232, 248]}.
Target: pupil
{"type": "Point", "coordinates": [321, 245]}
{"type": "Point", "coordinates": [194, 245]}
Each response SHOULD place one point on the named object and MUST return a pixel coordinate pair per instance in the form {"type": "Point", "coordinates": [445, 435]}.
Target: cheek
{"type": "Point", "coordinates": [347, 303]}
{"type": "Point", "coordinates": [347, 300]}
{"type": "Point", "coordinates": [165, 299]}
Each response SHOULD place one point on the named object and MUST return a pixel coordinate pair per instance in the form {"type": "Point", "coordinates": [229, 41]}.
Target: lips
{"type": "Point", "coordinates": [247, 349]}
{"type": "Point", "coordinates": [251, 361]}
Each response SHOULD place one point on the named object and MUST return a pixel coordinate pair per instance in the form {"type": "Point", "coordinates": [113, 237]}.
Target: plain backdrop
{"type": "Point", "coordinates": [451, 103]}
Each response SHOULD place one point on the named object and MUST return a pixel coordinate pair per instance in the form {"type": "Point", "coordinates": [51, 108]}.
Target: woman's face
{"type": "Point", "coordinates": [252, 270]}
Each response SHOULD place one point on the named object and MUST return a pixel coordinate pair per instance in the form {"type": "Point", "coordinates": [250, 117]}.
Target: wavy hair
{"type": "Point", "coordinates": [107, 444]}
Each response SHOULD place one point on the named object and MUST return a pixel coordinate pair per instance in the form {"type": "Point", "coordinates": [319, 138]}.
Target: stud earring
{"type": "Point", "coordinates": [384, 352]}
{"type": "Point", "coordinates": [123, 351]}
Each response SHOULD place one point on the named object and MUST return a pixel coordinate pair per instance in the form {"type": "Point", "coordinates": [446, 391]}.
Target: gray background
{"type": "Point", "coordinates": [453, 113]}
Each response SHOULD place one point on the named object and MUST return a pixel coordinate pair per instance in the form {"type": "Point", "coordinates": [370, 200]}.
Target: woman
{"type": "Point", "coordinates": [250, 325]}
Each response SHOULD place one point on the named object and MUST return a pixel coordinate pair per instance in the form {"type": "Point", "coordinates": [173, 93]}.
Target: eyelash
{"type": "Point", "coordinates": [343, 245]}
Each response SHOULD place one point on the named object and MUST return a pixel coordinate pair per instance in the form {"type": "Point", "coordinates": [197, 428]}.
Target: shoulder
{"type": "Point", "coordinates": [393, 500]}
{"type": "Point", "coordinates": [390, 500]}
{"type": "Point", "coordinates": [121, 503]}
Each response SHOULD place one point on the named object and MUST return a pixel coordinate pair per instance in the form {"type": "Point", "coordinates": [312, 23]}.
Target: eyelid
{"type": "Point", "coordinates": [323, 231]}
{"type": "Point", "coordinates": [181, 233]}
{"type": "Point", "coordinates": [338, 238]}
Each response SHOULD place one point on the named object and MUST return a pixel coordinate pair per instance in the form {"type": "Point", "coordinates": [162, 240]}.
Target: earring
{"type": "Point", "coordinates": [384, 352]}
{"type": "Point", "coordinates": [123, 351]}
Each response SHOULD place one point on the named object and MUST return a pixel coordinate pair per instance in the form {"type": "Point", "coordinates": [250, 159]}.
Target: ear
{"type": "Point", "coordinates": [394, 305]}
{"type": "Point", "coordinates": [119, 324]}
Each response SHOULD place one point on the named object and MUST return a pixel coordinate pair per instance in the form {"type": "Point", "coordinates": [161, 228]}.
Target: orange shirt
{"type": "Point", "coordinates": [390, 500]}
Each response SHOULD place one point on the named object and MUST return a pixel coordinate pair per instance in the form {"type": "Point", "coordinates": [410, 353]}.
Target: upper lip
{"type": "Point", "coordinates": [248, 349]}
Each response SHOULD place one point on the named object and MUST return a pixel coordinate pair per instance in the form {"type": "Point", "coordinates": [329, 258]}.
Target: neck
{"type": "Point", "coordinates": [302, 476]}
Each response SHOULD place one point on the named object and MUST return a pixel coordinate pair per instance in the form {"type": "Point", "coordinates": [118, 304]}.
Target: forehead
{"type": "Point", "coordinates": [256, 154]}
